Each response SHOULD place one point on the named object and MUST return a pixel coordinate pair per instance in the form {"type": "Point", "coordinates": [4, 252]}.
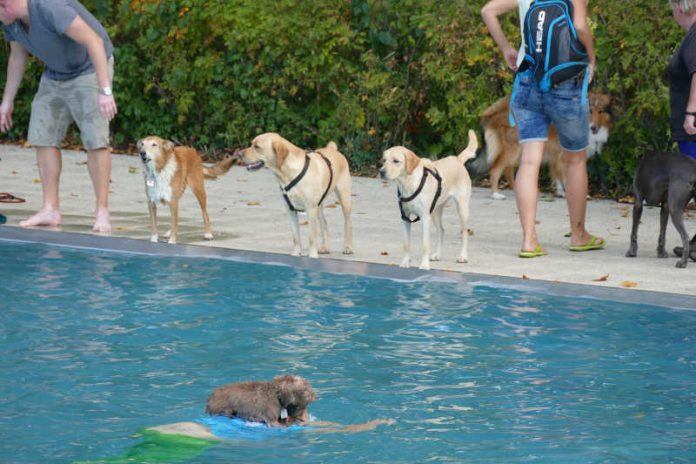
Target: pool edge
{"type": "Point", "coordinates": [335, 266]}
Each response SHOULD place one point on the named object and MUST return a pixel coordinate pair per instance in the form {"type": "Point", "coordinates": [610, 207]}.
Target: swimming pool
{"type": "Point", "coordinates": [97, 345]}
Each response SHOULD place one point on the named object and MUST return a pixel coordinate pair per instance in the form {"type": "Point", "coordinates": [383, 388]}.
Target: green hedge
{"type": "Point", "coordinates": [366, 73]}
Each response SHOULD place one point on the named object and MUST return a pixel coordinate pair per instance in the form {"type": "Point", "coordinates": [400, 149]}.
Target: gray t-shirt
{"type": "Point", "coordinates": [48, 20]}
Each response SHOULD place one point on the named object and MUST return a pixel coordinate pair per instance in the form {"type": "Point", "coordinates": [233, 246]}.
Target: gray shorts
{"type": "Point", "coordinates": [59, 103]}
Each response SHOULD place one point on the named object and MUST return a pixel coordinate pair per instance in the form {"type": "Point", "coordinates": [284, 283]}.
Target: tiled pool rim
{"type": "Point", "coordinates": [323, 264]}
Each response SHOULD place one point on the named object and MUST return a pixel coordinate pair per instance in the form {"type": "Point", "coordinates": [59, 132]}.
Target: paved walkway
{"type": "Point", "coordinates": [247, 213]}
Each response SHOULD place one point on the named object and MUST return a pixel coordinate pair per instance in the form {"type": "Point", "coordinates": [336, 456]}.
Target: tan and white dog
{"type": "Point", "coordinates": [305, 178]}
{"type": "Point", "coordinates": [168, 170]}
{"type": "Point", "coordinates": [503, 151]}
{"type": "Point", "coordinates": [424, 188]}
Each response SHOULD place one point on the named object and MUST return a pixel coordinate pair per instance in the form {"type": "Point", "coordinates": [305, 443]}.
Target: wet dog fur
{"type": "Point", "coordinates": [401, 165]}
{"type": "Point", "coordinates": [287, 161]}
{"type": "Point", "coordinates": [168, 169]}
{"type": "Point", "coordinates": [277, 404]}
{"type": "Point", "coordinates": [503, 151]}
{"type": "Point", "coordinates": [667, 180]}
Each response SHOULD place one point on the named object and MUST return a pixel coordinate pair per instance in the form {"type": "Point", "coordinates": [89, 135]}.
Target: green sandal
{"type": "Point", "coordinates": [595, 243]}
{"type": "Point", "coordinates": [535, 253]}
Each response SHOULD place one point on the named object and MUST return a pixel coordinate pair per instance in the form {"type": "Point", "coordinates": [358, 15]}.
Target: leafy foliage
{"type": "Point", "coordinates": [367, 73]}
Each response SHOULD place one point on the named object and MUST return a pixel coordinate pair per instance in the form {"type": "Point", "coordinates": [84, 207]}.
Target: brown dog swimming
{"type": "Point", "coordinates": [168, 170]}
{"type": "Point", "coordinates": [279, 403]}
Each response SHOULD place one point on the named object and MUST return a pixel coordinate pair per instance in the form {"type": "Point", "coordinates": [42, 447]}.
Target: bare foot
{"type": "Point", "coordinates": [44, 217]}
{"type": "Point", "coordinates": [102, 224]}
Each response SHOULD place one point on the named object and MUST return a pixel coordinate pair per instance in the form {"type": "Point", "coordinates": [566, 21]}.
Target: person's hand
{"type": "Point", "coordinates": [590, 69]}
{"type": "Point", "coordinates": [511, 58]}
{"type": "Point", "coordinates": [690, 124]}
{"type": "Point", "coordinates": [6, 109]}
{"type": "Point", "coordinates": [107, 106]}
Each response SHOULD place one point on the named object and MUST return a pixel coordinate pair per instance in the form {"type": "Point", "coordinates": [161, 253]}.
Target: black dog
{"type": "Point", "coordinates": [667, 180]}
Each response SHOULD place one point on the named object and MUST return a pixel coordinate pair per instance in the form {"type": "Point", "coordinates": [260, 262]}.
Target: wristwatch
{"type": "Point", "coordinates": [105, 91]}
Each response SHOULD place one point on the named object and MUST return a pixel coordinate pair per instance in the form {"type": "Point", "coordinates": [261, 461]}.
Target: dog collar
{"type": "Point", "coordinates": [403, 200]}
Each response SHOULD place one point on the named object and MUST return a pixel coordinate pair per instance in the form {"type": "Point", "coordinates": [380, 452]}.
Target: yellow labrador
{"type": "Point", "coordinates": [424, 187]}
{"type": "Point", "coordinates": [305, 178]}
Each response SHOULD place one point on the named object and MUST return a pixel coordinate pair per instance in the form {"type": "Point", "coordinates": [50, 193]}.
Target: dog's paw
{"type": "Point", "coordinates": [324, 251]}
{"type": "Point", "coordinates": [435, 257]}
{"type": "Point", "coordinates": [406, 262]}
{"type": "Point", "coordinates": [681, 264]}
{"type": "Point", "coordinates": [347, 251]}
{"type": "Point", "coordinates": [171, 241]}
{"type": "Point", "coordinates": [313, 254]}
{"type": "Point", "coordinates": [462, 259]}
{"type": "Point", "coordinates": [296, 252]}
{"type": "Point", "coordinates": [662, 253]}
{"type": "Point", "coordinates": [168, 234]}
{"type": "Point", "coordinates": [154, 238]}
{"type": "Point", "coordinates": [498, 196]}
{"type": "Point", "coordinates": [631, 253]}
{"type": "Point", "coordinates": [208, 236]}
{"type": "Point", "coordinates": [424, 266]}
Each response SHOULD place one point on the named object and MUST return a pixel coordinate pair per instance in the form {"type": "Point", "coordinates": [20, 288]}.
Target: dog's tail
{"type": "Point", "coordinates": [218, 169]}
{"type": "Point", "coordinates": [470, 150]}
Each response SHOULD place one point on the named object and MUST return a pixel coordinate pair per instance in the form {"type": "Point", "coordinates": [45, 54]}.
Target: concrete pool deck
{"type": "Point", "coordinates": [247, 213]}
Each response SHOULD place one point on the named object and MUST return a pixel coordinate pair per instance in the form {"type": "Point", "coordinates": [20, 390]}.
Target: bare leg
{"type": "Point", "coordinates": [99, 166]}
{"type": "Point", "coordinates": [576, 195]}
{"type": "Point", "coordinates": [526, 191]}
{"type": "Point", "coordinates": [50, 164]}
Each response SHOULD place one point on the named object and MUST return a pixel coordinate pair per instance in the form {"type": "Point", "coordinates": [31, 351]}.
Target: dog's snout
{"type": "Point", "coordinates": [383, 173]}
{"type": "Point", "coordinates": [594, 128]}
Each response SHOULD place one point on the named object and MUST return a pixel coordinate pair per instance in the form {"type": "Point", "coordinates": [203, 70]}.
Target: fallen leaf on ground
{"type": "Point", "coordinates": [304, 223]}
{"type": "Point", "coordinates": [253, 203]}
{"type": "Point", "coordinates": [524, 277]}
{"type": "Point", "coordinates": [470, 232]}
{"type": "Point", "coordinates": [627, 199]}
{"type": "Point", "coordinates": [330, 206]}
{"type": "Point", "coordinates": [81, 163]}
{"type": "Point", "coordinates": [384, 253]}
{"type": "Point", "coordinates": [629, 284]}
{"type": "Point", "coordinates": [132, 170]}
{"type": "Point", "coordinates": [604, 278]}
{"type": "Point", "coordinates": [36, 181]}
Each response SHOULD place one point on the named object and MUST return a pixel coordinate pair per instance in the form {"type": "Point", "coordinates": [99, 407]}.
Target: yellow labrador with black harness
{"type": "Point", "coordinates": [424, 187]}
{"type": "Point", "coordinates": [306, 177]}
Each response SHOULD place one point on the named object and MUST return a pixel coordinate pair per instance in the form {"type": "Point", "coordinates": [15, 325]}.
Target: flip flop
{"type": "Point", "coordinates": [595, 243]}
{"type": "Point", "coordinates": [535, 253]}
{"type": "Point", "coordinates": [9, 198]}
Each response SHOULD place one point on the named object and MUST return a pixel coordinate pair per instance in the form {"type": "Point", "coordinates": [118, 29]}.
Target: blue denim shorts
{"type": "Point", "coordinates": [534, 110]}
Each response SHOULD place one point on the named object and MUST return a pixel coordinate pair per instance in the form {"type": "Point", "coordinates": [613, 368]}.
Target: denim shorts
{"type": "Point", "coordinates": [534, 110]}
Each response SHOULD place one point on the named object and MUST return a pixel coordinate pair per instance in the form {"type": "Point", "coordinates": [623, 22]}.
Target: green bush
{"type": "Point", "coordinates": [366, 73]}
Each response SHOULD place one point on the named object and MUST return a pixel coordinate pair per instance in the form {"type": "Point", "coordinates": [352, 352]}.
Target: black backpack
{"type": "Point", "coordinates": [553, 52]}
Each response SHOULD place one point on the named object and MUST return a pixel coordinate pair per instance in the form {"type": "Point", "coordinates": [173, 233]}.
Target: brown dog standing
{"type": "Point", "coordinates": [168, 170]}
{"type": "Point", "coordinates": [503, 151]}
{"type": "Point", "coordinates": [306, 178]}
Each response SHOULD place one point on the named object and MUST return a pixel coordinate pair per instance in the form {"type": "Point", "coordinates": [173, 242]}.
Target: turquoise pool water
{"type": "Point", "coordinates": [96, 346]}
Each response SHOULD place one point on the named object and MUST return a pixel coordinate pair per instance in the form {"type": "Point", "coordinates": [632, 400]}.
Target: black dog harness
{"type": "Point", "coordinates": [299, 177]}
{"type": "Point", "coordinates": [403, 200]}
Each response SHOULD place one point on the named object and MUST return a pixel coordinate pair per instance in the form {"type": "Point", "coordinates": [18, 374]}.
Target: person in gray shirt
{"type": "Point", "coordinates": [75, 86]}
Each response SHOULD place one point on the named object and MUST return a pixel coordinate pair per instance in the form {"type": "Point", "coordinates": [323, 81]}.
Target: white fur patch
{"type": "Point", "coordinates": [597, 141]}
{"type": "Point", "coordinates": [159, 183]}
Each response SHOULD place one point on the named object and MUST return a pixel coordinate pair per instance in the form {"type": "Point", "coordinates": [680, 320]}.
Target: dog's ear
{"type": "Point", "coordinates": [281, 152]}
{"type": "Point", "coordinates": [168, 145]}
{"type": "Point", "coordinates": [411, 162]}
